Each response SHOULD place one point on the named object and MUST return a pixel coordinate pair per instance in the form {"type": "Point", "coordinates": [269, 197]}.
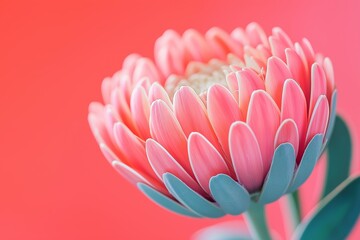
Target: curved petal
{"type": "Point", "coordinates": [264, 119]}
{"type": "Point", "coordinates": [223, 111]}
{"type": "Point", "coordinates": [132, 148]}
{"type": "Point", "coordinates": [318, 85]}
{"type": "Point", "coordinates": [162, 162]}
{"type": "Point", "coordinates": [197, 46]}
{"type": "Point", "coordinates": [288, 133]}
{"type": "Point", "coordinates": [256, 35]}
{"type": "Point", "coordinates": [140, 111]}
{"type": "Point", "coordinates": [222, 43]}
{"type": "Point", "coordinates": [246, 156]}
{"type": "Point", "coordinates": [165, 201]}
{"type": "Point", "coordinates": [231, 196]}
{"type": "Point", "coordinates": [294, 107]}
{"type": "Point", "coordinates": [156, 92]}
{"type": "Point", "coordinates": [319, 119]}
{"type": "Point", "coordinates": [280, 174]}
{"type": "Point", "coordinates": [166, 130]}
{"type": "Point", "coordinates": [191, 199]}
{"type": "Point", "coordinates": [248, 82]}
{"type": "Point", "coordinates": [205, 160]}
{"type": "Point", "coordinates": [145, 68]}
{"type": "Point", "coordinates": [195, 120]}
{"type": "Point", "coordinates": [297, 69]}
{"type": "Point", "coordinates": [276, 74]}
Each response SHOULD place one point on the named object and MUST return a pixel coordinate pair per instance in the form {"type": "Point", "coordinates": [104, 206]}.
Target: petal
{"type": "Point", "coordinates": [158, 92]}
{"type": "Point", "coordinates": [165, 201]}
{"type": "Point", "coordinates": [294, 107]}
{"type": "Point", "coordinates": [298, 70]}
{"type": "Point", "coordinates": [288, 133]}
{"type": "Point", "coordinates": [256, 35]}
{"type": "Point", "coordinates": [277, 47]}
{"type": "Point", "coordinates": [223, 111]}
{"type": "Point", "coordinates": [195, 120]}
{"type": "Point", "coordinates": [132, 148]}
{"type": "Point", "coordinates": [330, 77]}
{"type": "Point", "coordinates": [233, 85]}
{"type": "Point", "coordinates": [264, 119]}
{"type": "Point", "coordinates": [318, 85]}
{"type": "Point", "coordinates": [319, 119]}
{"type": "Point", "coordinates": [166, 130]}
{"type": "Point", "coordinates": [205, 160]}
{"type": "Point", "coordinates": [283, 37]}
{"type": "Point", "coordinates": [162, 162]}
{"type": "Point", "coordinates": [246, 156]}
{"type": "Point", "coordinates": [222, 43]}
{"type": "Point", "coordinates": [140, 111]}
{"type": "Point", "coordinates": [129, 174]}
{"type": "Point", "coordinates": [276, 74]}
{"type": "Point", "coordinates": [169, 61]}
{"type": "Point", "coordinates": [197, 46]}
{"type": "Point", "coordinates": [249, 81]}
{"type": "Point", "coordinates": [145, 68]}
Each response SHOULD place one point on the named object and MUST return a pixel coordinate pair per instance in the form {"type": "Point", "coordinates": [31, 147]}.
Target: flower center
{"type": "Point", "coordinates": [201, 76]}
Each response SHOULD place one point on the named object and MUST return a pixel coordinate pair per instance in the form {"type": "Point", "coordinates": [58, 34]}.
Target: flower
{"type": "Point", "coordinates": [217, 120]}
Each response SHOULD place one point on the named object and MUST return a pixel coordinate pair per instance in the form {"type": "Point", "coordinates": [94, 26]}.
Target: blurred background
{"type": "Point", "coordinates": [54, 181]}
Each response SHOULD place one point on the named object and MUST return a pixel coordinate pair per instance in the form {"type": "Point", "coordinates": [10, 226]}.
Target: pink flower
{"type": "Point", "coordinates": [218, 104]}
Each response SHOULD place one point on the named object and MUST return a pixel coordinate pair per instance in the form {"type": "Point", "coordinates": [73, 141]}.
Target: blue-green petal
{"type": "Point", "coordinates": [230, 195]}
{"type": "Point", "coordinates": [165, 201]}
{"type": "Point", "coordinates": [280, 174]}
{"type": "Point", "coordinates": [190, 198]}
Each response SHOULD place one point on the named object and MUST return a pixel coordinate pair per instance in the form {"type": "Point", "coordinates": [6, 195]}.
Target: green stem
{"type": "Point", "coordinates": [294, 207]}
{"type": "Point", "coordinates": [255, 218]}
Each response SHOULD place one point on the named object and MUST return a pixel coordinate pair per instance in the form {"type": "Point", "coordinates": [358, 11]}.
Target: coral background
{"type": "Point", "coordinates": [54, 182]}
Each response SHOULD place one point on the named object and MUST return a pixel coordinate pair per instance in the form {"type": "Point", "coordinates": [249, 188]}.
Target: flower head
{"type": "Point", "coordinates": [217, 120]}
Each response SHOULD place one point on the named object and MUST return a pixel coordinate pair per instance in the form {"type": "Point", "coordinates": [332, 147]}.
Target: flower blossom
{"type": "Point", "coordinates": [217, 120]}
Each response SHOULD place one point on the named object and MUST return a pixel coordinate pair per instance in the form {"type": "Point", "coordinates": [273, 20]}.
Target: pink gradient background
{"type": "Point", "coordinates": [54, 182]}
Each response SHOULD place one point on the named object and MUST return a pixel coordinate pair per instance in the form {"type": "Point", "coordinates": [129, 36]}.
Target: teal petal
{"type": "Point", "coordinates": [190, 198]}
{"type": "Point", "coordinates": [336, 214]}
{"type": "Point", "coordinates": [332, 115]}
{"type": "Point", "coordinates": [231, 196]}
{"type": "Point", "coordinates": [339, 156]}
{"type": "Point", "coordinates": [164, 201]}
{"type": "Point", "coordinates": [280, 174]}
{"type": "Point", "coordinates": [307, 163]}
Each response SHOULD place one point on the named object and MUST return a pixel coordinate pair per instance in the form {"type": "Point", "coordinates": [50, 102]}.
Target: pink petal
{"type": "Point", "coordinates": [205, 160]}
{"type": "Point", "coordinates": [109, 154]}
{"type": "Point", "coordinates": [223, 111]}
{"type": "Point", "coordinates": [330, 77]}
{"type": "Point", "coordinates": [298, 70]}
{"type": "Point", "coordinates": [162, 162]}
{"type": "Point", "coordinates": [287, 133]}
{"type": "Point", "coordinates": [167, 131]}
{"type": "Point", "coordinates": [119, 102]}
{"type": "Point", "coordinates": [246, 156]}
{"type": "Point", "coordinates": [195, 120]}
{"type": "Point", "coordinates": [283, 37]}
{"type": "Point", "coordinates": [197, 46]}
{"type": "Point", "coordinates": [277, 47]}
{"type": "Point", "coordinates": [318, 85]}
{"type": "Point", "coordinates": [169, 61]}
{"type": "Point", "coordinates": [264, 119]}
{"type": "Point", "coordinates": [239, 35]}
{"type": "Point", "coordinates": [319, 119]}
{"type": "Point", "coordinates": [249, 81]}
{"type": "Point", "coordinates": [135, 177]}
{"type": "Point", "coordinates": [256, 35]}
{"type": "Point", "coordinates": [132, 148]}
{"type": "Point", "coordinates": [106, 90]}
{"type": "Point", "coordinates": [276, 74]}
{"type": "Point", "coordinates": [222, 43]}
{"type": "Point", "coordinates": [129, 64]}
{"type": "Point", "coordinates": [294, 107]}
{"type": "Point", "coordinates": [158, 92]}
{"type": "Point", "coordinates": [140, 111]}
{"type": "Point", "coordinates": [145, 68]}
{"type": "Point", "coordinates": [233, 85]}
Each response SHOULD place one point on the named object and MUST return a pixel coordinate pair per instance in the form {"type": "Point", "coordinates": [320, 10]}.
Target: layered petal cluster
{"type": "Point", "coordinates": [218, 120]}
